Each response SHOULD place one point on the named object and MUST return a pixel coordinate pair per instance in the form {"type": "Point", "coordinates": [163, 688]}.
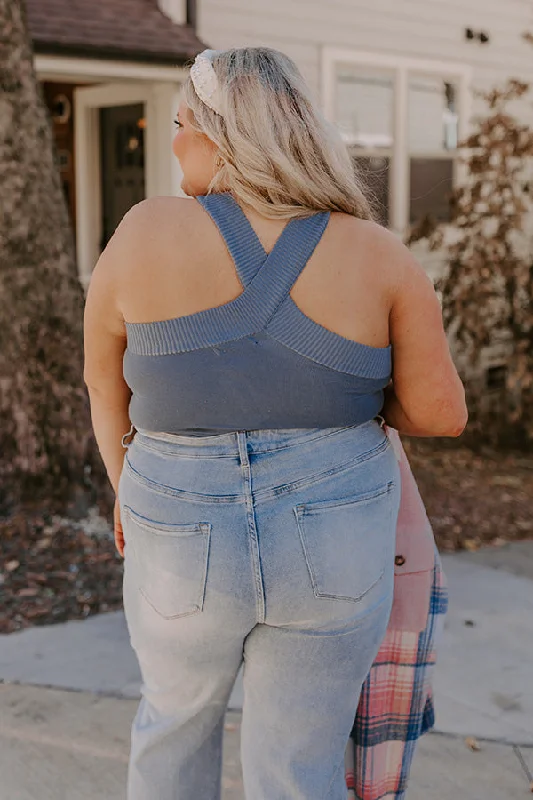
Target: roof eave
{"type": "Point", "coordinates": [115, 53]}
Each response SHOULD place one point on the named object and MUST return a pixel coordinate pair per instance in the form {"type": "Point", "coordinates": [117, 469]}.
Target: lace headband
{"type": "Point", "coordinates": [205, 81]}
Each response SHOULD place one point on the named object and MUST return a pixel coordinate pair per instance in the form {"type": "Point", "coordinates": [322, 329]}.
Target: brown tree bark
{"type": "Point", "coordinates": [47, 447]}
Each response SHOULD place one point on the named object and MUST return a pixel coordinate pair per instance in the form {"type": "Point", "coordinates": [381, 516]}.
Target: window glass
{"type": "Point", "coordinates": [431, 182]}
{"type": "Point", "coordinates": [364, 107]}
{"type": "Point", "coordinates": [433, 132]}
{"type": "Point", "coordinates": [432, 115]}
{"type": "Point", "coordinates": [365, 113]}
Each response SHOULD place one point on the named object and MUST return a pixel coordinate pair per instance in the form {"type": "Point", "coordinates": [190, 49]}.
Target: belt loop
{"type": "Point", "coordinates": [129, 433]}
{"type": "Point", "coordinates": [242, 446]}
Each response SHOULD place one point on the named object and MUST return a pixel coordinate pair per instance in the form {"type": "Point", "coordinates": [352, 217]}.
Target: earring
{"type": "Point", "coordinates": [219, 161]}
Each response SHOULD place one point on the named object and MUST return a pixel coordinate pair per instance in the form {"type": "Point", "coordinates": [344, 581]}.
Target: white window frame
{"type": "Point", "coordinates": [401, 67]}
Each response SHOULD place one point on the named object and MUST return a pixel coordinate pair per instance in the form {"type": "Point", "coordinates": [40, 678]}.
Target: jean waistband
{"type": "Point", "coordinates": [257, 441]}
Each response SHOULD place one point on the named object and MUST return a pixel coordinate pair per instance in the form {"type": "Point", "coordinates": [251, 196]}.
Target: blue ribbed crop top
{"type": "Point", "coordinates": [258, 361]}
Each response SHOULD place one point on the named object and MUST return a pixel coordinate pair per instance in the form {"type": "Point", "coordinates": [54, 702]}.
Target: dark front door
{"type": "Point", "coordinates": [123, 184]}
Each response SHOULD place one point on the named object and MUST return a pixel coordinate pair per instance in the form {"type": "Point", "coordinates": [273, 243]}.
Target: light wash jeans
{"type": "Point", "coordinates": [274, 548]}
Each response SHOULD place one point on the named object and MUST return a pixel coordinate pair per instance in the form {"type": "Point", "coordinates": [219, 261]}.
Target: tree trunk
{"type": "Point", "coordinates": [47, 446]}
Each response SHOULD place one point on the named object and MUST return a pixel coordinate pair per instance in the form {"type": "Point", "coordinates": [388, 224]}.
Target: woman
{"type": "Point", "coordinates": [396, 701]}
{"type": "Point", "coordinates": [247, 334]}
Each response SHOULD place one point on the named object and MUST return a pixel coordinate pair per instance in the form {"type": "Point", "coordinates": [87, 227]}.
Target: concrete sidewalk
{"type": "Point", "coordinates": [483, 688]}
{"type": "Point", "coordinates": [58, 745]}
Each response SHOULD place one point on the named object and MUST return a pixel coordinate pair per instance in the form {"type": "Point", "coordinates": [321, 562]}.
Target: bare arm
{"type": "Point", "coordinates": [105, 343]}
{"type": "Point", "coordinates": [426, 397]}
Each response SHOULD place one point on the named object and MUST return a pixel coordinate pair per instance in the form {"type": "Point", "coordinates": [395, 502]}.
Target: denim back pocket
{"type": "Point", "coordinates": [348, 544]}
{"type": "Point", "coordinates": [170, 562]}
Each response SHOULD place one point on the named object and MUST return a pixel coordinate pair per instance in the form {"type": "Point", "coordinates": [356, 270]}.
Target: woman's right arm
{"type": "Point", "coordinates": [426, 396]}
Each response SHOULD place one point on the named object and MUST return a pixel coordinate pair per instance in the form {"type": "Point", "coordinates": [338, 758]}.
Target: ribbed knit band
{"type": "Point", "coordinates": [265, 304]}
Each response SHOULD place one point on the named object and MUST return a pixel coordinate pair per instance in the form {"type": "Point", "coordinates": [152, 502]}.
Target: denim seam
{"type": "Point", "coordinates": [263, 495]}
{"type": "Point", "coordinates": [167, 529]}
{"type": "Point", "coordinates": [334, 776]}
{"type": "Point", "coordinates": [170, 452]}
{"type": "Point", "coordinates": [303, 441]}
{"type": "Point", "coordinates": [360, 621]}
{"type": "Point", "coordinates": [191, 497]}
{"type": "Point", "coordinates": [253, 535]}
{"type": "Point", "coordinates": [306, 509]}
{"type": "Point", "coordinates": [259, 496]}
{"type": "Point", "coordinates": [297, 443]}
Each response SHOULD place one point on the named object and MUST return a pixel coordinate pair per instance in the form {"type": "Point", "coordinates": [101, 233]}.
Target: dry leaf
{"type": "Point", "coordinates": [506, 480]}
{"type": "Point", "coordinates": [498, 542]}
{"type": "Point", "coordinates": [471, 545]}
{"type": "Point", "coordinates": [472, 743]}
{"type": "Point", "coordinates": [43, 543]}
{"type": "Point", "coordinates": [12, 565]}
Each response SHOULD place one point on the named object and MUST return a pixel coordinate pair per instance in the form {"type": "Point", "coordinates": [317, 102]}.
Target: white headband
{"type": "Point", "coordinates": [205, 81]}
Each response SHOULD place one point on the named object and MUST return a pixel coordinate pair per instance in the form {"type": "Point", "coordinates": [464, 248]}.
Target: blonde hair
{"type": "Point", "coordinates": [278, 154]}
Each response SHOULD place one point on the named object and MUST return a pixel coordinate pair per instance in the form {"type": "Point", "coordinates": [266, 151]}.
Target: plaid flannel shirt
{"type": "Point", "coordinates": [396, 703]}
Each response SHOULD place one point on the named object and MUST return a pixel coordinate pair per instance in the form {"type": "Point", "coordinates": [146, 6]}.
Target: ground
{"type": "Point", "coordinates": [77, 746]}
{"type": "Point", "coordinates": [473, 498]}
{"type": "Point", "coordinates": [57, 569]}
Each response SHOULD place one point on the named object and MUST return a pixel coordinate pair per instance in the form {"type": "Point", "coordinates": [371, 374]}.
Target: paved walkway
{"type": "Point", "coordinates": [63, 745]}
{"type": "Point", "coordinates": [71, 742]}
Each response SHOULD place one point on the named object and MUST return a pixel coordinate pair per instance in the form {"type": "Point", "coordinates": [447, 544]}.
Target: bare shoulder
{"type": "Point", "coordinates": [381, 251]}
{"type": "Point", "coordinates": [146, 230]}
{"type": "Point", "coordinates": [151, 216]}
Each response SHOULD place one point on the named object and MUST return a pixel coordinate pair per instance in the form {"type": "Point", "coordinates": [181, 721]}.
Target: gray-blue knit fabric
{"type": "Point", "coordinates": [258, 361]}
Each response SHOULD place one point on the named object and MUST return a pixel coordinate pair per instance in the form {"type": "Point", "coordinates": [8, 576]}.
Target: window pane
{"type": "Point", "coordinates": [364, 107]}
{"type": "Point", "coordinates": [432, 115]}
{"type": "Point", "coordinates": [431, 187]}
{"type": "Point", "coordinates": [374, 174]}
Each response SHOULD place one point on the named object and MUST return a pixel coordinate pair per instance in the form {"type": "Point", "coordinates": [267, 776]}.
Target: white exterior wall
{"type": "Point", "coordinates": [428, 29]}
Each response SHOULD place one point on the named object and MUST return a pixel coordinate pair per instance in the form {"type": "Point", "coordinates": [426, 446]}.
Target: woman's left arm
{"type": "Point", "coordinates": [104, 344]}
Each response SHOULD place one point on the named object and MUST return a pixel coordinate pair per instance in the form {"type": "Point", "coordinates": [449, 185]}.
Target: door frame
{"type": "Point", "coordinates": [111, 83]}
{"type": "Point", "coordinates": [87, 103]}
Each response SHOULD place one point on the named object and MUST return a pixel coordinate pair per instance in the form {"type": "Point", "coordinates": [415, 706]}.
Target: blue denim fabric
{"type": "Point", "coordinates": [274, 548]}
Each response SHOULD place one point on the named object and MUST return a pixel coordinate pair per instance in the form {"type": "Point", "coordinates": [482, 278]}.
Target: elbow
{"type": "Point", "coordinates": [446, 417]}
{"type": "Point", "coordinates": [454, 420]}
{"type": "Point", "coordinates": [458, 429]}
{"type": "Point", "coordinates": [463, 421]}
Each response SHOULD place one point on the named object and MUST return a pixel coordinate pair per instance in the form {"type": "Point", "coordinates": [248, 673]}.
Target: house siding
{"type": "Point", "coordinates": [428, 29]}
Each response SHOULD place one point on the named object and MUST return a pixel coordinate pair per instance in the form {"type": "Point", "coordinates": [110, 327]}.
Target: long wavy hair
{"type": "Point", "coordinates": [277, 152]}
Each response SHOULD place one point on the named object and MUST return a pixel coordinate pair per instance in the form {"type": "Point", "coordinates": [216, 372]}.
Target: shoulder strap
{"type": "Point", "coordinates": [241, 239]}
{"type": "Point", "coordinates": [267, 278]}
{"type": "Point", "coordinates": [292, 251]}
